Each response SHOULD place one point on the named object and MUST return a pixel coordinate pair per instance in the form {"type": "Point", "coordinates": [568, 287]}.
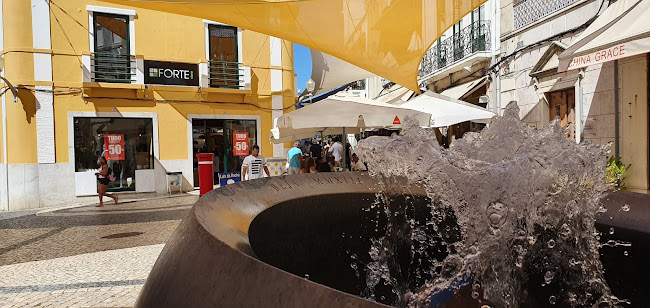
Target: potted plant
{"type": "Point", "coordinates": [616, 173]}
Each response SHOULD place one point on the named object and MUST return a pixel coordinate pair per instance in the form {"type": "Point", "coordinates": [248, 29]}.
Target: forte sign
{"type": "Point", "coordinates": [171, 73]}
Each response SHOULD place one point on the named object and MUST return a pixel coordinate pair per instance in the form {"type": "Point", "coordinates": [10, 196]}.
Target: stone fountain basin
{"type": "Point", "coordinates": [288, 241]}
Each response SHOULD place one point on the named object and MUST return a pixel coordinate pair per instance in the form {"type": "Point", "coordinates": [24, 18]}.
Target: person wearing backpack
{"type": "Point", "coordinates": [104, 176]}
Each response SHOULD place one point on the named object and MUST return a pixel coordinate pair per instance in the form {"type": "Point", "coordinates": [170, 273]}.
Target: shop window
{"type": "Point", "coordinates": [225, 69]}
{"type": "Point", "coordinates": [112, 59]}
{"type": "Point", "coordinates": [216, 136]}
{"type": "Point", "coordinates": [127, 143]}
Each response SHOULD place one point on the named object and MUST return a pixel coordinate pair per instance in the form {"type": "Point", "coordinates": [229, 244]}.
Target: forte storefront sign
{"type": "Point", "coordinates": [171, 73]}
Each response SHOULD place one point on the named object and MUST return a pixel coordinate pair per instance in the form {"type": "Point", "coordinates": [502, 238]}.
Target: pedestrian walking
{"type": "Point", "coordinates": [253, 165]}
{"type": "Point", "coordinates": [293, 158]}
{"type": "Point", "coordinates": [102, 181]}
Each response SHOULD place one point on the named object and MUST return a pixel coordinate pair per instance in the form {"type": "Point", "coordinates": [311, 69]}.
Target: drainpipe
{"type": "Point", "coordinates": [581, 109]}
{"type": "Point", "coordinates": [4, 145]}
{"type": "Point", "coordinates": [617, 119]}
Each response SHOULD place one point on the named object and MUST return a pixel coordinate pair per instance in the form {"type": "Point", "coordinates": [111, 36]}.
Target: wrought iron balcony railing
{"type": "Point", "coordinates": [225, 74]}
{"type": "Point", "coordinates": [110, 67]}
{"type": "Point", "coordinates": [462, 44]}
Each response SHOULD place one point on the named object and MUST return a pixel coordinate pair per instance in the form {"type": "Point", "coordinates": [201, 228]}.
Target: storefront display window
{"type": "Point", "coordinates": [127, 144]}
{"type": "Point", "coordinates": [216, 136]}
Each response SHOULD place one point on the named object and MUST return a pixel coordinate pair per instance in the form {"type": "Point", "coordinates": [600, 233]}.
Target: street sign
{"type": "Point", "coordinates": [114, 146]}
{"type": "Point", "coordinates": [226, 178]}
{"type": "Point", "coordinates": [240, 144]}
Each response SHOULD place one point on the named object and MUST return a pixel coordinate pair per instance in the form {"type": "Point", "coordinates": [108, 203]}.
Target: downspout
{"type": "Point", "coordinates": [617, 120]}
{"type": "Point", "coordinates": [4, 144]}
{"type": "Point", "coordinates": [580, 116]}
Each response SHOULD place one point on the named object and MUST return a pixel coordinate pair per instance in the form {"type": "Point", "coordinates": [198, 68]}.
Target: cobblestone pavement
{"type": "Point", "coordinates": [85, 256]}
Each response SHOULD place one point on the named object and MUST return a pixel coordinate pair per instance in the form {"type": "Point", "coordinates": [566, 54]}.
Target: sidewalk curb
{"type": "Point", "coordinates": [65, 207]}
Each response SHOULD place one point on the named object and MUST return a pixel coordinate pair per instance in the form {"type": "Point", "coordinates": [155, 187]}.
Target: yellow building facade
{"type": "Point", "coordinates": [146, 89]}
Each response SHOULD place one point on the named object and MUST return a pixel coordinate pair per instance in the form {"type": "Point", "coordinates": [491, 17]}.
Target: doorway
{"type": "Point", "coordinates": [562, 105]}
{"type": "Point", "coordinates": [216, 136]}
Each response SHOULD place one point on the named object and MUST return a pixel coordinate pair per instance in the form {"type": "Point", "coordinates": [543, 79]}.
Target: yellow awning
{"type": "Point", "coordinates": [385, 37]}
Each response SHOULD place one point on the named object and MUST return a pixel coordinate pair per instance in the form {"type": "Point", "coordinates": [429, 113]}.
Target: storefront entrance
{"type": "Point", "coordinates": [216, 136]}
{"type": "Point", "coordinates": [126, 143]}
{"type": "Point", "coordinates": [562, 105]}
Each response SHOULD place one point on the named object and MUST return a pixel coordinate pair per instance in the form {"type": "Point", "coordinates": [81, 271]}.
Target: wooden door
{"type": "Point", "coordinates": [562, 105]}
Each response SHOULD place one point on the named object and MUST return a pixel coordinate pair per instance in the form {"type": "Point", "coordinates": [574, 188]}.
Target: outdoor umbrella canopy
{"type": "Point", "coordinates": [350, 112]}
{"type": "Point", "coordinates": [385, 37]}
{"type": "Point", "coordinates": [446, 111]}
{"type": "Point", "coordinates": [281, 135]}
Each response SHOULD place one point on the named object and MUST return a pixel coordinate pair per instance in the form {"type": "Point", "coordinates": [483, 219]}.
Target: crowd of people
{"type": "Point", "coordinates": [313, 158]}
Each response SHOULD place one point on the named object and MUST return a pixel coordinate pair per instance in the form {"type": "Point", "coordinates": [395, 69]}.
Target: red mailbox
{"type": "Point", "coordinates": [206, 177]}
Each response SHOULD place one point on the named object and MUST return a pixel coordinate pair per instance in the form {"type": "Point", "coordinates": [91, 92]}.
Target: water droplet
{"type": "Point", "coordinates": [625, 253]}
{"type": "Point", "coordinates": [565, 232]}
{"type": "Point", "coordinates": [602, 209]}
{"type": "Point", "coordinates": [486, 306]}
{"type": "Point", "coordinates": [552, 300]}
{"type": "Point", "coordinates": [598, 237]}
{"type": "Point", "coordinates": [625, 208]}
{"type": "Point", "coordinates": [611, 230]}
{"type": "Point", "coordinates": [548, 277]}
{"type": "Point", "coordinates": [497, 213]}
{"type": "Point", "coordinates": [551, 243]}
{"type": "Point", "coordinates": [383, 298]}
{"type": "Point", "coordinates": [307, 276]}
{"type": "Point", "coordinates": [532, 240]}
{"type": "Point", "coordinates": [520, 261]}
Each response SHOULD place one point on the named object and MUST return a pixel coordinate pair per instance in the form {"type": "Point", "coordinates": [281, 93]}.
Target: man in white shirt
{"type": "Point", "coordinates": [356, 164]}
{"type": "Point", "coordinates": [337, 150]}
{"type": "Point", "coordinates": [253, 165]}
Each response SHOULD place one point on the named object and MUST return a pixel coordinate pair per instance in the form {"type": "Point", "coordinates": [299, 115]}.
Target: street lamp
{"type": "Point", "coordinates": [310, 86]}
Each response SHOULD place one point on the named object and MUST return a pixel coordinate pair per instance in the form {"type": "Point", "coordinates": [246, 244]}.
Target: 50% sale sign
{"type": "Point", "coordinates": [240, 143]}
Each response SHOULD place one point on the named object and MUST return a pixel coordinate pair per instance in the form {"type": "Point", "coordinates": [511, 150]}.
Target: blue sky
{"type": "Point", "coordinates": [302, 65]}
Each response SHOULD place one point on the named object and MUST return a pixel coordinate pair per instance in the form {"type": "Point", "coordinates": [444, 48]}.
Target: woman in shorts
{"type": "Point", "coordinates": [102, 181]}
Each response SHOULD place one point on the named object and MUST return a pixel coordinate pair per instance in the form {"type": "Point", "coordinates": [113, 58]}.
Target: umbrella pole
{"type": "Point", "coordinates": [345, 141]}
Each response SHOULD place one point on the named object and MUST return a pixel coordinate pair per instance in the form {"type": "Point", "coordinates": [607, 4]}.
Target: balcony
{"type": "Point", "coordinates": [468, 41]}
{"type": "Point", "coordinates": [112, 68]}
{"type": "Point", "coordinates": [224, 74]}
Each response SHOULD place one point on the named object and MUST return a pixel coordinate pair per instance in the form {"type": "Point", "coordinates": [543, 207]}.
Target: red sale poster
{"type": "Point", "coordinates": [240, 143]}
{"type": "Point", "coordinates": [114, 146]}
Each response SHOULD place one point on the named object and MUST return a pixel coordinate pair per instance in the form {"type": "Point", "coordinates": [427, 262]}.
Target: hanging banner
{"type": "Point", "coordinates": [240, 144]}
{"type": "Point", "coordinates": [114, 146]}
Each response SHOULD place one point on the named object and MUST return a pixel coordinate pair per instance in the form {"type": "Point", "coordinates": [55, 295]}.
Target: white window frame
{"type": "Point", "coordinates": [138, 78]}
{"type": "Point", "coordinates": [206, 24]}
{"type": "Point", "coordinates": [204, 67]}
{"type": "Point", "coordinates": [109, 10]}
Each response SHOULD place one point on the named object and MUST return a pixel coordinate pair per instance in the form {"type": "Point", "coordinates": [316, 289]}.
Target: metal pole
{"type": "Point", "coordinates": [345, 139]}
{"type": "Point", "coordinates": [617, 120]}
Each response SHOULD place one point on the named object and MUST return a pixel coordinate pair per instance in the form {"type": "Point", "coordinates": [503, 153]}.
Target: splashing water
{"type": "Point", "coordinates": [524, 202]}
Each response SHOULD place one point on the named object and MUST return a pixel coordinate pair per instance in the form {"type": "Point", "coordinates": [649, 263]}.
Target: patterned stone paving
{"type": "Point", "coordinates": [84, 256]}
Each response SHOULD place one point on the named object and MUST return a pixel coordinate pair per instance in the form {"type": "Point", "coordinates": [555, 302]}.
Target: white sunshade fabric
{"type": "Point", "coordinates": [329, 72]}
{"type": "Point", "coordinates": [622, 30]}
{"type": "Point", "coordinates": [395, 95]}
{"type": "Point", "coordinates": [336, 112]}
{"type": "Point", "coordinates": [446, 111]}
{"type": "Point", "coordinates": [464, 89]}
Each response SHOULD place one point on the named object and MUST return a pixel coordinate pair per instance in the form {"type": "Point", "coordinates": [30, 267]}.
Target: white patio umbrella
{"type": "Point", "coordinates": [344, 111]}
{"type": "Point", "coordinates": [446, 111]}
{"type": "Point", "coordinates": [341, 113]}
